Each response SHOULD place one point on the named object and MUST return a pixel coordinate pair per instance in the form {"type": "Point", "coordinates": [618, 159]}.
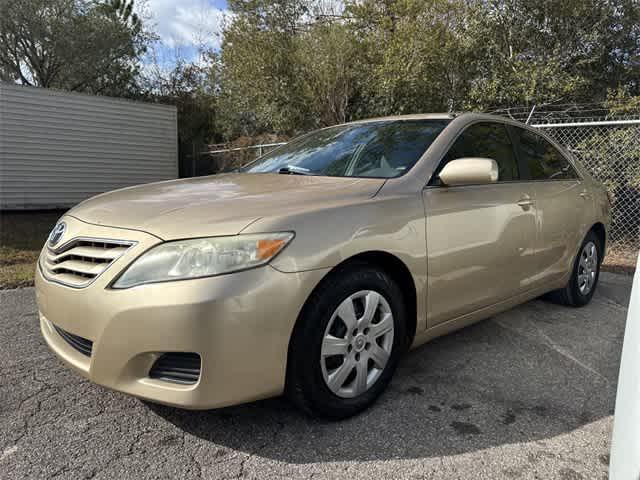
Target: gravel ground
{"type": "Point", "coordinates": [528, 394]}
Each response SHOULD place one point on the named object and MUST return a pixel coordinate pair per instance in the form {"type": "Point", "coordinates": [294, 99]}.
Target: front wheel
{"type": "Point", "coordinates": [347, 344]}
{"type": "Point", "coordinates": [584, 276]}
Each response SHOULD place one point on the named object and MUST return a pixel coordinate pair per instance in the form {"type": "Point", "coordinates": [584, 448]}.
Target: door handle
{"type": "Point", "coordinates": [525, 201]}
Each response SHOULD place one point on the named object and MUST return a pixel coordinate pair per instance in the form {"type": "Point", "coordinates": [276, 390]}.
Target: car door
{"type": "Point", "coordinates": [562, 202]}
{"type": "Point", "coordinates": [480, 238]}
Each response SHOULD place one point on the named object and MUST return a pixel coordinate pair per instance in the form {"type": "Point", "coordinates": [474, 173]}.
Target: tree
{"type": "Point", "coordinates": [327, 56]}
{"type": "Point", "coordinates": [185, 85]}
{"type": "Point", "coordinates": [417, 54]}
{"type": "Point", "coordinates": [73, 45]}
{"type": "Point", "coordinates": [285, 66]}
{"type": "Point", "coordinates": [257, 72]}
{"type": "Point", "coordinates": [545, 51]}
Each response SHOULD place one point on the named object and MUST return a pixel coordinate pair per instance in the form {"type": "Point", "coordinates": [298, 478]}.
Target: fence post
{"type": "Point", "coordinates": [193, 159]}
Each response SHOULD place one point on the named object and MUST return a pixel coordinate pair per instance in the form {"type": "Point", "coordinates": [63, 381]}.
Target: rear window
{"type": "Point", "coordinates": [544, 160]}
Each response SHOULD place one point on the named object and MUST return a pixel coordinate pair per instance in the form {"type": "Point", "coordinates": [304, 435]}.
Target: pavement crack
{"type": "Point", "coordinates": [31, 413]}
{"type": "Point", "coordinates": [276, 433]}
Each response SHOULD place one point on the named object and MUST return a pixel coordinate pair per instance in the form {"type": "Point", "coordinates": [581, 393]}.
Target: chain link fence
{"type": "Point", "coordinates": [610, 150]}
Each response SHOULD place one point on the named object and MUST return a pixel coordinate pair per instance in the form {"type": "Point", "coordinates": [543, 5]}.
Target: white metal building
{"type": "Point", "coordinates": [59, 148]}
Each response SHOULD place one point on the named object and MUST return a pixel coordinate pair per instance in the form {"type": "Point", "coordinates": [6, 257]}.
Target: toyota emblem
{"type": "Point", "coordinates": [57, 233]}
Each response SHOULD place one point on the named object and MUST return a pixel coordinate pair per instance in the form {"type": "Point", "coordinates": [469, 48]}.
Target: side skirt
{"type": "Point", "coordinates": [481, 314]}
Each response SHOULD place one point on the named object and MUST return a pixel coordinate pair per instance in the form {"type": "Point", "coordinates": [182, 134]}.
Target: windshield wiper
{"type": "Point", "coordinates": [293, 170]}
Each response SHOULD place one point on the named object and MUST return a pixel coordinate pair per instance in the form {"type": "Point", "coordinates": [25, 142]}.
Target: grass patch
{"type": "Point", "coordinates": [18, 275]}
{"type": "Point", "coordinates": [22, 235]}
{"type": "Point", "coordinates": [620, 261]}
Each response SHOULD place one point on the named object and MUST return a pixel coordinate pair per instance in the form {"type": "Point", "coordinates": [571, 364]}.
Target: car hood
{"type": "Point", "coordinates": [217, 205]}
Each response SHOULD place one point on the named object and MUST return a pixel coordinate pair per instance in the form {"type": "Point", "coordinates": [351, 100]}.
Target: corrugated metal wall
{"type": "Point", "coordinates": [59, 148]}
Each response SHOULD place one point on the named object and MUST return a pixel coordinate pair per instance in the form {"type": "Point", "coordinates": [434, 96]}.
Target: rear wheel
{"type": "Point", "coordinates": [584, 277]}
{"type": "Point", "coordinates": [347, 345]}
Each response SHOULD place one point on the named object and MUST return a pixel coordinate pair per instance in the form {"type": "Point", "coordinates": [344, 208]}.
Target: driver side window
{"type": "Point", "coordinates": [487, 140]}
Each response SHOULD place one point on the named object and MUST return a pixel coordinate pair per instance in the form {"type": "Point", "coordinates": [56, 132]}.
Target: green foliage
{"type": "Point", "coordinates": [186, 86]}
{"type": "Point", "coordinates": [327, 59]}
{"type": "Point", "coordinates": [76, 45]}
{"type": "Point", "coordinates": [123, 11]}
{"type": "Point", "coordinates": [287, 66]}
{"type": "Point", "coordinates": [283, 68]}
{"type": "Point", "coordinates": [545, 51]}
{"type": "Point", "coordinates": [621, 102]}
{"type": "Point", "coordinates": [416, 55]}
{"type": "Point", "coordinates": [258, 74]}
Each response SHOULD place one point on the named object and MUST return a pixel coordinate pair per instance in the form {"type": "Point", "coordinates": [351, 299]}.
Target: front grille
{"type": "Point", "coordinates": [81, 344]}
{"type": "Point", "coordinates": [81, 261]}
{"type": "Point", "coordinates": [177, 367]}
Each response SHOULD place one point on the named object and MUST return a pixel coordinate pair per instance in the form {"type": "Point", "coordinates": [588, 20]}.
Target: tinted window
{"type": "Point", "coordinates": [545, 162]}
{"type": "Point", "coordinates": [487, 140]}
{"type": "Point", "coordinates": [373, 149]}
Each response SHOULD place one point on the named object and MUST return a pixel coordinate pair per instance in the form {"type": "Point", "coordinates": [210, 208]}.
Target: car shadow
{"type": "Point", "coordinates": [535, 372]}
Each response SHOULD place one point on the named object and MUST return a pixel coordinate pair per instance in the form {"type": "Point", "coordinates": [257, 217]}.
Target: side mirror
{"type": "Point", "coordinates": [469, 171]}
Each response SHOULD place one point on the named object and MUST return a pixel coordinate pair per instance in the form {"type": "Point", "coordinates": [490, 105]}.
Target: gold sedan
{"type": "Point", "coordinates": [313, 269]}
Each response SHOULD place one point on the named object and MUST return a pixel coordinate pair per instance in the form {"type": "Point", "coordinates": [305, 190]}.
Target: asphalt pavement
{"type": "Point", "coordinates": [528, 394]}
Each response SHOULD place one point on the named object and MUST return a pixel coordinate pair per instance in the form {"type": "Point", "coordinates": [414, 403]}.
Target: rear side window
{"type": "Point", "coordinates": [487, 140]}
{"type": "Point", "coordinates": [545, 162]}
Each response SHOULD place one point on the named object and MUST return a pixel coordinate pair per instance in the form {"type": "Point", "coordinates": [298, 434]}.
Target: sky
{"type": "Point", "coordinates": [183, 25]}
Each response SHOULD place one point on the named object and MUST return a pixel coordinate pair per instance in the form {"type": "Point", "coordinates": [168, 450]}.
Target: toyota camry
{"type": "Point", "coordinates": [311, 270]}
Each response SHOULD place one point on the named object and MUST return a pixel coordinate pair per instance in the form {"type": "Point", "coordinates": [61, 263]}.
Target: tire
{"type": "Point", "coordinates": [312, 367]}
{"type": "Point", "coordinates": [574, 294]}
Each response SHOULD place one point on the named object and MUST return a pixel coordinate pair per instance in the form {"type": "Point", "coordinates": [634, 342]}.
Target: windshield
{"type": "Point", "coordinates": [383, 149]}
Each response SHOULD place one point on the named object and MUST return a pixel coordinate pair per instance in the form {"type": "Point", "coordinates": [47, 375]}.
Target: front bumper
{"type": "Point", "coordinates": [240, 325]}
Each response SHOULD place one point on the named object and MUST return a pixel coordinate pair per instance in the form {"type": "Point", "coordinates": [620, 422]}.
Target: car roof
{"type": "Point", "coordinates": [436, 116]}
{"type": "Point", "coordinates": [413, 116]}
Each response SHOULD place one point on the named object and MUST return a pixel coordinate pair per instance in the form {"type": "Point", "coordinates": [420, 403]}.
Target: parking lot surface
{"type": "Point", "coordinates": [528, 394]}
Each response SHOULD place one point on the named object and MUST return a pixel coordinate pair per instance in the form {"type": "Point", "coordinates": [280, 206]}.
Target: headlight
{"type": "Point", "coordinates": [203, 257]}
